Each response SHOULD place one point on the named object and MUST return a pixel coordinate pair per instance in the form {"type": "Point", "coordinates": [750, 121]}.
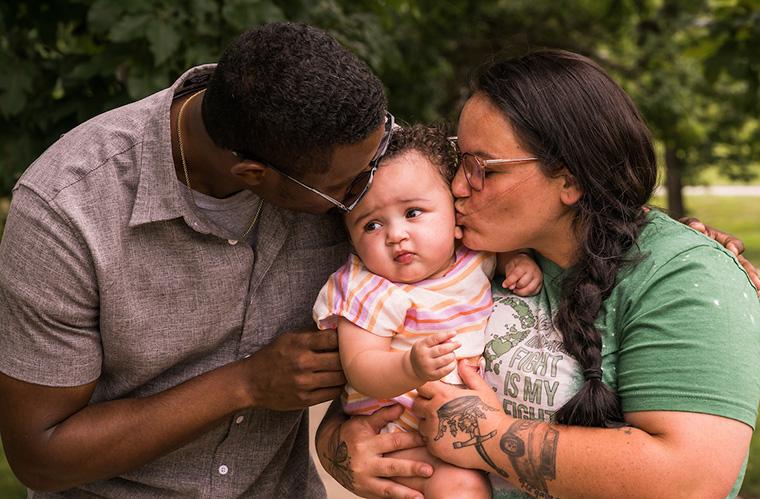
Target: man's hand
{"type": "Point", "coordinates": [432, 357]}
{"type": "Point", "coordinates": [355, 456]}
{"type": "Point", "coordinates": [297, 370]}
{"type": "Point", "coordinates": [730, 242]}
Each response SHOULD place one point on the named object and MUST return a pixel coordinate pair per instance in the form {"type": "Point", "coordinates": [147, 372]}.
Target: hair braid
{"type": "Point", "coordinates": [605, 241]}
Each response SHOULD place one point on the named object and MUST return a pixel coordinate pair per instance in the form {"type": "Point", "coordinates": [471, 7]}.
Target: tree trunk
{"type": "Point", "coordinates": [674, 167]}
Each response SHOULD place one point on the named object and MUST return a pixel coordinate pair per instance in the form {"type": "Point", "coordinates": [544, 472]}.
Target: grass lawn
{"type": "Point", "coordinates": [737, 215]}
{"type": "Point", "coordinates": [9, 487]}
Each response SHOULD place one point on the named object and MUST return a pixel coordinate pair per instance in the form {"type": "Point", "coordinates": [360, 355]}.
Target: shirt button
{"type": "Point", "coordinates": [223, 470]}
{"type": "Point", "coordinates": [239, 419]}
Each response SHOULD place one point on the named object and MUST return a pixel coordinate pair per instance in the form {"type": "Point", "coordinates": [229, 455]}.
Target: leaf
{"type": "Point", "coordinates": [14, 87]}
{"type": "Point", "coordinates": [129, 28]}
{"type": "Point", "coordinates": [103, 14]}
{"type": "Point", "coordinates": [163, 39]}
{"type": "Point", "coordinates": [245, 14]}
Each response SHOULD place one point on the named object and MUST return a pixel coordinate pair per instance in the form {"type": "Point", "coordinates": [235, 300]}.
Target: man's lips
{"type": "Point", "coordinates": [403, 257]}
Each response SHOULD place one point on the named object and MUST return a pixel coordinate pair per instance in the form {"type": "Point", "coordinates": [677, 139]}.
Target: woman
{"type": "Point", "coordinates": [633, 372]}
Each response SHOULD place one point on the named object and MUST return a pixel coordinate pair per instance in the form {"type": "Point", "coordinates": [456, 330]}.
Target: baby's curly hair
{"type": "Point", "coordinates": [429, 140]}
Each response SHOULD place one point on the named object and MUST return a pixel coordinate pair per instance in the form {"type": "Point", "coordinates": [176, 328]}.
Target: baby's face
{"type": "Point", "coordinates": [403, 229]}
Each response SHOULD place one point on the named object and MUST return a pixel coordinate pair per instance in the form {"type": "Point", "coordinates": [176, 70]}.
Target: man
{"type": "Point", "coordinates": [158, 269]}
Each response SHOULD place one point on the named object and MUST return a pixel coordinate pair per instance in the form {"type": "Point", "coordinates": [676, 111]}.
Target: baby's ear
{"type": "Point", "coordinates": [458, 232]}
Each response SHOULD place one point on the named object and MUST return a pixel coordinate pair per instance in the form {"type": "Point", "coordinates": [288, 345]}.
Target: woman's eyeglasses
{"type": "Point", "coordinates": [475, 167]}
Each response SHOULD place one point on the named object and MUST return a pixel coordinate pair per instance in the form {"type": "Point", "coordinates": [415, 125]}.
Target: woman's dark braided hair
{"type": "Point", "coordinates": [569, 113]}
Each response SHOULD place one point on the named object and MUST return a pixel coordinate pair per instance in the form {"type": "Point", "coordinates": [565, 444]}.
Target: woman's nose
{"type": "Point", "coordinates": [459, 186]}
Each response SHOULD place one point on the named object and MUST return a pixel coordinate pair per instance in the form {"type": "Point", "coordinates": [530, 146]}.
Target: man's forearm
{"type": "Point", "coordinates": [106, 439]}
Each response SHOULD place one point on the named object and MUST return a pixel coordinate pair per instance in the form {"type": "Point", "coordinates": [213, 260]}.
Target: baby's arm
{"type": "Point", "coordinates": [373, 369]}
{"type": "Point", "coordinates": [522, 275]}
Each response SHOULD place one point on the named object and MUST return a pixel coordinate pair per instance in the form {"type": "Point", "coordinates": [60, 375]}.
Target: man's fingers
{"type": "Point", "coordinates": [751, 271]}
{"type": "Point", "coordinates": [324, 395]}
{"type": "Point", "coordinates": [327, 361]}
{"type": "Point", "coordinates": [694, 223]}
{"type": "Point", "coordinates": [323, 340]}
{"type": "Point", "coordinates": [734, 248]}
{"type": "Point", "coordinates": [326, 379]}
{"type": "Point", "coordinates": [730, 242]}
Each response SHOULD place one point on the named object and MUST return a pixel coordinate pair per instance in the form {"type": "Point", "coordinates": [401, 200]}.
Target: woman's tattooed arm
{"type": "Point", "coordinates": [532, 449]}
{"type": "Point", "coordinates": [530, 446]}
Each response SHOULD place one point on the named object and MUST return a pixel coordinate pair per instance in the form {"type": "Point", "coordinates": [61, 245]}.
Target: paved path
{"type": "Point", "coordinates": [717, 190]}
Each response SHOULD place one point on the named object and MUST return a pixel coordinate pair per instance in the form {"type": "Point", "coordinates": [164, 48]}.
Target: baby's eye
{"type": "Point", "coordinates": [371, 226]}
{"type": "Point", "coordinates": [413, 212]}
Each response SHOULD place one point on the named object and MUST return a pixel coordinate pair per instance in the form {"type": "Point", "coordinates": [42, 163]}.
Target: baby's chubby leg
{"type": "Point", "coordinates": [447, 481]}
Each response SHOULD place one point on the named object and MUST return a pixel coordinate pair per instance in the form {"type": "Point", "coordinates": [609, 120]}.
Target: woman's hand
{"type": "Point", "coordinates": [456, 422]}
{"type": "Point", "coordinates": [353, 453]}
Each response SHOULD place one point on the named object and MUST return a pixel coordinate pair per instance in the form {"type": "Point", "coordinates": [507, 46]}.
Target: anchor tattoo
{"type": "Point", "coordinates": [462, 414]}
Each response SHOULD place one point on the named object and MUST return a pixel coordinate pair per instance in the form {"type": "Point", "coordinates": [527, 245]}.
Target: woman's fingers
{"type": "Point", "coordinates": [384, 488]}
{"type": "Point", "coordinates": [379, 419]}
{"type": "Point", "coordinates": [471, 377]}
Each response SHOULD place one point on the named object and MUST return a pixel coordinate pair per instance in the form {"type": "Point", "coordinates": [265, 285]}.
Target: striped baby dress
{"type": "Point", "coordinates": [458, 301]}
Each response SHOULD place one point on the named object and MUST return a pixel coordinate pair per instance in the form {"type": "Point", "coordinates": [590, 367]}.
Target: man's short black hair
{"type": "Point", "coordinates": [288, 93]}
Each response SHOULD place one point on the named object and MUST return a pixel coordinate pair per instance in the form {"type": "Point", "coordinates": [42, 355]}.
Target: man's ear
{"type": "Point", "coordinates": [250, 172]}
{"type": "Point", "coordinates": [570, 192]}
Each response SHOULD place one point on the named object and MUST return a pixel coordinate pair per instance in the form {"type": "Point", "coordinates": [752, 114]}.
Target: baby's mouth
{"type": "Point", "coordinates": [403, 257]}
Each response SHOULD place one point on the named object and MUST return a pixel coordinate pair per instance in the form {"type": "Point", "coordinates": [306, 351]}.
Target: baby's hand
{"type": "Point", "coordinates": [523, 275]}
{"type": "Point", "coordinates": [432, 357]}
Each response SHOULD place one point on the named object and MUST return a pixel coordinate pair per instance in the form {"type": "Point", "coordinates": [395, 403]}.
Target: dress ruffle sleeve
{"type": "Point", "coordinates": [371, 302]}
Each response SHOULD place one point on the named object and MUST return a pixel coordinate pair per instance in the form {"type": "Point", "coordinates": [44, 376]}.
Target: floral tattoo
{"type": "Point", "coordinates": [338, 463]}
{"type": "Point", "coordinates": [532, 450]}
{"type": "Point", "coordinates": [462, 415]}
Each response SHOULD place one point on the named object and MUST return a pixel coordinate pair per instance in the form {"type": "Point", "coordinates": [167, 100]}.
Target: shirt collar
{"type": "Point", "coordinates": [158, 196]}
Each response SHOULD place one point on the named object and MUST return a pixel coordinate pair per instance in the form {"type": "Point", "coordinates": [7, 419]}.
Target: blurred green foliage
{"type": "Point", "coordinates": [691, 65]}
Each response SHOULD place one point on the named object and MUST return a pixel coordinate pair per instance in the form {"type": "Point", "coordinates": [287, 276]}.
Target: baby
{"type": "Point", "coordinates": [411, 301]}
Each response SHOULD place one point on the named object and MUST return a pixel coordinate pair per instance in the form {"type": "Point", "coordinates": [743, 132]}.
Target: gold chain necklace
{"type": "Point", "coordinates": [187, 177]}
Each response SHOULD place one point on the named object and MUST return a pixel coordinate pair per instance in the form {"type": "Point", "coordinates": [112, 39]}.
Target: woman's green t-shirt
{"type": "Point", "coordinates": [681, 332]}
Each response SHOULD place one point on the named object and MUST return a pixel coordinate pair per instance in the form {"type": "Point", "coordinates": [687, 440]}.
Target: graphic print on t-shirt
{"type": "Point", "coordinates": [525, 358]}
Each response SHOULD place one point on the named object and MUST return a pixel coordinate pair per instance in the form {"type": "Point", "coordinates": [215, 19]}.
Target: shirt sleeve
{"type": "Point", "coordinates": [691, 339]}
{"type": "Point", "coordinates": [368, 300]}
{"type": "Point", "coordinates": [48, 298]}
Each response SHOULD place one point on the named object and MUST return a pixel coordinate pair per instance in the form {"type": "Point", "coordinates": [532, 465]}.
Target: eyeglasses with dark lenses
{"type": "Point", "coordinates": [475, 167]}
{"type": "Point", "coordinates": [359, 185]}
